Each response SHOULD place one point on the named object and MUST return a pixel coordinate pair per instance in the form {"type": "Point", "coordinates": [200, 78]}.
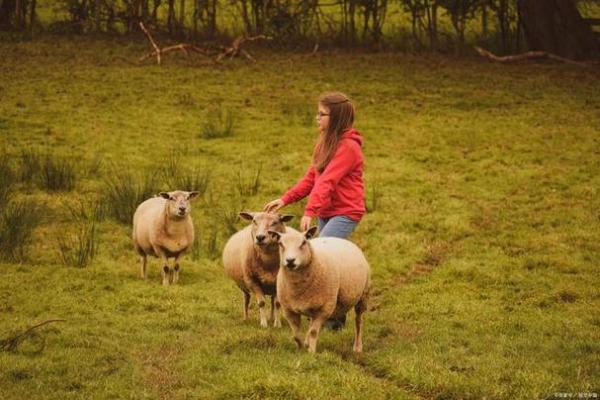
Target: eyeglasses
{"type": "Point", "coordinates": [321, 115]}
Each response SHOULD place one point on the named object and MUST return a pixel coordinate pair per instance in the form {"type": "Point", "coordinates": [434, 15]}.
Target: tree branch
{"type": "Point", "coordinates": [11, 343]}
{"type": "Point", "coordinates": [529, 56]}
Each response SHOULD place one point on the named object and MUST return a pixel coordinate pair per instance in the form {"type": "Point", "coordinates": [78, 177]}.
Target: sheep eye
{"type": "Point", "coordinates": [303, 243]}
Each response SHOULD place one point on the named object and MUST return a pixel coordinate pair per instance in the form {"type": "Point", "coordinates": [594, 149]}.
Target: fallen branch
{"type": "Point", "coordinates": [158, 52]}
{"type": "Point", "coordinates": [11, 343]}
{"type": "Point", "coordinates": [528, 56]}
{"type": "Point", "coordinates": [236, 47]}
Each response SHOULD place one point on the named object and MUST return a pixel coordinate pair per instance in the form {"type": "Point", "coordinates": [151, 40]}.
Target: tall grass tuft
{"type": "Point", "coordinates": [219, 124]}
{"type": "Point", "coordinates": [212, 247]}
{"type": "Point", "coordinates": [95, 165]}
{"type": "Point", "coordinates": [248, 184]}
{"type": "Point", "coordinates": [57, 173]}
{"type": "Point", "coordinates": [18, 219]}
{"type": "Point", "coordinates": [30, 167]}
{"type": "Point", "coordinates": [123, 192]}
{"type": "Point", "coordinates": [196, 248]}
{"type": "Point", "coordinates": [374, 198]}
{"type": "Point", "coordinates": [78, 249]}
{"type": "Point", "coordinates": [192, 180]}
{"type": "Point", "coordinates": [178, 176]}
{"type": "Point", "coordinates": [7, 178]}
{"type": "Point", "coordinates": [228, 217]}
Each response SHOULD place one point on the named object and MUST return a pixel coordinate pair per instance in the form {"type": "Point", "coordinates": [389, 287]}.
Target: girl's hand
{"type": "Point", "coordinates": [274, 205]}
{"type": "Point", "coordinates": [305, 223]}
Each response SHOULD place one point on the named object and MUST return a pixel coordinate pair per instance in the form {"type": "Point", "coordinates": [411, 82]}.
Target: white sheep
{"type": "Point", "coordinates": [320, 278]}
{"type": "Point", "coordinates": [251, 259]}
{"type": "Point", "coordinates": [162, 227]}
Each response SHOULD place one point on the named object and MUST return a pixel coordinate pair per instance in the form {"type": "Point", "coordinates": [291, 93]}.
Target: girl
{"type": "Point", "coordinates": [334, 180]}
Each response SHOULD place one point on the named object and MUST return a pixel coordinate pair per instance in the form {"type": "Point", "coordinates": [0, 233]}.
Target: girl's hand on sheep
{"type": "Point", "coordinates": [305, 223]}
{"type": "Point", "coordinates": [274, 205]}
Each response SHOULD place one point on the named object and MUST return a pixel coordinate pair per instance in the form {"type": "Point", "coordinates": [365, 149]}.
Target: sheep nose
{"type": "Point", "coordinates": [182, 209]}
{"type": "Point", "coordinates": [260, 238]}
{"type": "Point", "coordinates": [290, 262]}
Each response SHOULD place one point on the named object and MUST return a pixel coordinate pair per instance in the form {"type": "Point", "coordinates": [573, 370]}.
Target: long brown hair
{"type": "Point", "coordinates": [341, 118]}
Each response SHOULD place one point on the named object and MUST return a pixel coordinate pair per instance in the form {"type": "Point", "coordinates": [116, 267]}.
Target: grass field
{"type": "Point", "coordinates": [483, 188]}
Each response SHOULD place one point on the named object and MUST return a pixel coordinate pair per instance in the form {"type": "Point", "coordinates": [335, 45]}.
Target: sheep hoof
{"type": "Point", "coordinates": [264, 324]}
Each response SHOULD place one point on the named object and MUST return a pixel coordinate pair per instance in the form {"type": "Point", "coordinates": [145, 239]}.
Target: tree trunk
{"type": "Point", "coordinates": [352, 21]}
{"type": "Point", "coordinates": [212, 30]}
{"type": "Point", "coordinates": [556, 26]}
{"type": "Point", "coordinates": [19, 15]}
{"type": "Point", "coordinates": [7, 9]}
{"type": "Point", "coordinates": [171, 17]}
{"type": "Point", "coordinates": [182, 16]}
{"type": "Point", "coordinates": [484, 21]}
{"type": "Point", "coordinates": [245, 17]}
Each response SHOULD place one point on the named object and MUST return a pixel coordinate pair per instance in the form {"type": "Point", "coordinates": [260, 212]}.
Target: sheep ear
{"type": "Point", "coordinates": [275, 235]}
{"type": "Point", "coordinates": [285, 218]}
{"type": "Point", "coordinates": [165, 195]}
{"type": "Point", "coordinates": [310, 232]}
{"type": "Point", "coordinates": [247, 216]}
{"type": "Point", "coordinates": [193, 194]}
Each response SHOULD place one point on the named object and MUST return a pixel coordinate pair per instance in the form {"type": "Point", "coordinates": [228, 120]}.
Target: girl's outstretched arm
{"type": "Point", "coordinates": [302, 188]}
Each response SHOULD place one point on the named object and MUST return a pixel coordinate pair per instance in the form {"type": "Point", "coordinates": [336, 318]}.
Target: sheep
{"type": "Point", "coordinates": [320, 278]}
{"type": "Point", "coordinates": [251, 259]}
{"type": "Point", "coordinates": [162, 227]}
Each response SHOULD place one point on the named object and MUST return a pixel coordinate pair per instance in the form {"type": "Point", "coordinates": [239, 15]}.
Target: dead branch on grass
{"type": "Point", "coordinates": [11, 343]}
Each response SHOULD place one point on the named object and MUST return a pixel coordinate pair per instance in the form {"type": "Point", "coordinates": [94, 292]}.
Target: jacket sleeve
{"type": "Point", "coordinates": [344, 161]}
{"type": "Point", "coordinates": [302, 188]}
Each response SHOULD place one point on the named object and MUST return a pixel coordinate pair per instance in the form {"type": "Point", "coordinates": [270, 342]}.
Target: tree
{"type": "Point", "coordinates": [460, 12]}
{"type": "Point", "coordinates": [557, 27]}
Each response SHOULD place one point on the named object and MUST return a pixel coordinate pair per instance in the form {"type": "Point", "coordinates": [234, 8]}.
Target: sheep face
{"type": "Point", "coordinates": [262, 223]}
{"type": "Point", "coordinates": [178, 202]}
{"type": "Point", "coordinates": [294, 249]}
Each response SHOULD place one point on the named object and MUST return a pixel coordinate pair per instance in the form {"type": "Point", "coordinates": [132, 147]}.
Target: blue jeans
{"type": "Point", "coordinates": [339, 226]}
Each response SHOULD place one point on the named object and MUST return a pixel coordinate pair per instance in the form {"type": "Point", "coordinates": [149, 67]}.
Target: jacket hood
{"type": "Point", "coordinates": [354, 135]}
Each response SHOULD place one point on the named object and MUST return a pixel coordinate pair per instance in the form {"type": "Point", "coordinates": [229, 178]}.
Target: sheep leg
{"type": "Point", "coordinates": [175, 271]}
{"type": "Point", "coordinates": [275, 308]}
{"type": "Point", "coordinates": [262, 309]}
{"type": "Point", "coordinates": [293, 320]}
{"type": "Point", "coordinates": [246, 304]}
{"type": "Point", "coordinates": [360, 308]}
{"type": "Point", "coordinates": [166, 273]}
{"type": "Point", "coordinates": [143, 262]}
{"type": "Point", "coordinates": [260, 299]}
{"type": "Point", "coordinates": [313, 333]}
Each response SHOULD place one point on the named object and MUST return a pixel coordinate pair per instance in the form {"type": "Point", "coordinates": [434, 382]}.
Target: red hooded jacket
{"type": "Point", "coordinates": [339, 189]}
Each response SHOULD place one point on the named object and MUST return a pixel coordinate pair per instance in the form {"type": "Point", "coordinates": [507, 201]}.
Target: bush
{"type": "Point", "coordinates": [248, 184]}
{"type": "Point", "coordinates": [57, 173]}
{"type": "Point", "coordinates": [178, 176]}
{"type": "Point", "coordinates": [219, 125]}
{"type": "Point", "coordinates": [79, 249]}
{"type": "Point", "coordinates": [7, 178]}
{"type": "Point", "coordinates": [18, 219]}
{"type": "Point", "coordinates": [123, 192]}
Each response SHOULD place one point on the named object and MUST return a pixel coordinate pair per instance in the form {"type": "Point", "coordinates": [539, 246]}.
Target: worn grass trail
{"type": "Point", "coordinates": [482, 186]}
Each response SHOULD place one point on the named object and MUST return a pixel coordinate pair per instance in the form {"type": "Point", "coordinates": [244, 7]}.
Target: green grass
{"type": "Point", "coordinates": [483, 237]}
